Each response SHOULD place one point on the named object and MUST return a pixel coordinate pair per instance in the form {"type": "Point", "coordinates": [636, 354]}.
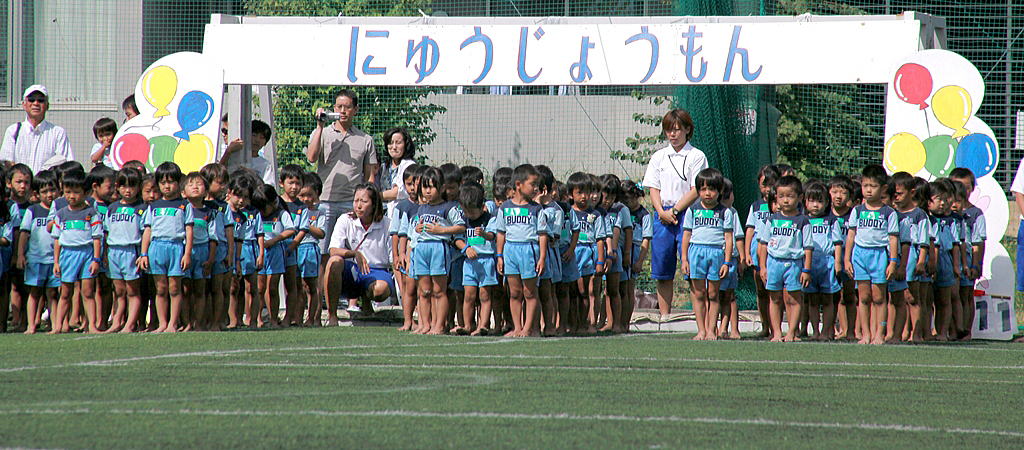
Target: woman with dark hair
{"type": "Point", "coordinates": [670, 176]}
{"type": "Point", "coordinates": [360, 249]}
{"type": "Point", "coordinates": [401, 154]}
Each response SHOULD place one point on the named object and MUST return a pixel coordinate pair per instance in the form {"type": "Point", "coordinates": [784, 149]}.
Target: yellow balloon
{"type": "Point", "coordinates": [193, 154]}
{"type": "Point", "coordinates": [904, 152]}
{"type": "Point", "coordinates": [953, 107]}
{"type": "Point", "coordinates": [159, 86]}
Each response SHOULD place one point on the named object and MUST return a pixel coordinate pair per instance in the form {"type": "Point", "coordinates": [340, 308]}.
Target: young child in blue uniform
{"type": "Point", "coordinates": [221, 279]}
{"type": "Point", "coordinates": [566, 289]}
{"type": "Point", "coordinates": [827, 238]}
{"type": "Point", "coordinates": [786, 245]}
{"type": "Point", "coordinates": [522, 245]}
{"type": "Point", "coordinates": [756, 217]}
{"type": "Point", "coordinates": [841, 193]}
{"type": "Point", "coordinates": [553, 264]}
{"type": "Point", "coordinates": [248, 257]}
{"type": "Point", "coordinates": [310, 231]}
{"type": "Point", "coordinates": [707, 249]}
{"type": "Point", "coordinates": [479, 273]}
{"type": "Point", "coordinates": [872, 240]}
{"type": "Point", "coordinates": [975, 235]}
{"type": "Point", "coordinates": [946, 229]}
{"type": "Point", "coordinates": [436, 223]}
{"type": "Point", "coordinates": [101, 194]}
{"type": "Point", "coordinates": [35, 251]}
{"type": "Point", "coordinates": [204, 253]}
{"type": "Point", "coordinates": [589, 250]}
{"type": "Point", "coordinates": [728, 315]}
{"type": "Point", "coordinates": [277, 229]}
{"type": "Point", "coordinates": [19, 187]}
{"type": "Point", "coordinates": [124, 227]}
{"type": "Point", "coordinates": [167, 245]}
{"type": "Point", "coordinates": [78, 233]}
{"type": "Point", "coordinates": [400, 245]}
{"type": "Point", "coordinates": [291, 183]}
{"type": "Point", "coordinates": [619, 224]}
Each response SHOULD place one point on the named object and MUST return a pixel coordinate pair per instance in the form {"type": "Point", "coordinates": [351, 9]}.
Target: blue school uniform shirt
{"type": "Point", "coordinates": [481, 245]}
{"type": "Point", "coordinates": [218, 232]}
{"type": "Point", "coordinates": [758, 214]}
{"type": "Point", "coordinates": [124, 223]}
{"type": "Point", "coordinates": [75, 228]}
{"type": "Point", "coordinates": [707, 226]}
{"type": "Point", "coordinates": [311, 217]}
{"type": "Point", "coordinates": [17, 211]}
{"type": "Point", "coordinates": [915, 228]}
{"type": "Point", "coordinates": [643, 225]}
{"type": "Point", "coordinates": [947, 231]}
{"type": "Point", "coordinates": [444, 214]}
{"type": "Point", "coordinates": [40, 241]}
{"type": "Point", "coordinates": [204, 225]}
{"type": "Point", "coordinates": [295, 209]}
{"type": "Point", "coordinates": [248, 224]}
{"type": "Point", "coordinates": [556, 222]}
{"type": "Point", "coordinates": [786, 236]}
{"type": "Point", "coordinates": [521, 223]}
{"type": "Point", "coordinates": [491, 207]}
{"type": "Point", "coordinates": [591, 227]}
{"type": "Point", "coordinates": [618, 217]}
{"type": "Point", "coordinates": [874, 226]}
{"type": "Point", "coordinates": [276, 224]}
{"type": "Point", "coordinates": [168, 219]}
{"type": "Point", "coordinates": [401, 214]}
{"type": "Point", "coordinates": [737, 232]}
{"type": "Point", "coordinates": [569, 225]}
{"type": "Point", "coordinates": [825, 233]}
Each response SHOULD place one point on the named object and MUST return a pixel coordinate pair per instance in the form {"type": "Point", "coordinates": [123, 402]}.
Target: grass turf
{"type": "Point", "coordinates": [377, 387]}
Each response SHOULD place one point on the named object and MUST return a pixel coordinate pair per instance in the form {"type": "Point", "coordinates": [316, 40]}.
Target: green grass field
{"type": "Point", "coordinates": [375, 387]}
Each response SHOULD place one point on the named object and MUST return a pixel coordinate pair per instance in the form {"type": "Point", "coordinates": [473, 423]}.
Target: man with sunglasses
{"type": "Point", "coordinates": [36, 142]}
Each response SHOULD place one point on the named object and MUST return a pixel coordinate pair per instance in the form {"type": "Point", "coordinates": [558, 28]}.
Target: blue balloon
{"type": "Point", "coordinates": [194, 110]}
{"type": "Point", "coordinates": [979, 153]}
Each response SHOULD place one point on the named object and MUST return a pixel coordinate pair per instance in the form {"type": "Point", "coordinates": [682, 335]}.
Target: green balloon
{"type": "Point", "coordinates": [940, 155]}
{"type": "Point", "coordinates": [161, 150]}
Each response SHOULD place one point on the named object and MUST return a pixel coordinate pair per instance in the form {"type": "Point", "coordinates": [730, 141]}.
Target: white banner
{"type": "Point", "coordinates": [561, 54]}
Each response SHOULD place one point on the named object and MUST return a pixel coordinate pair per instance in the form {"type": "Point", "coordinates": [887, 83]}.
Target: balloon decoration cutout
{"type": "Point", "coordinates": [130, 147]}
{"type": "Point", "coordinates": [952, 106]}
{"type": "Point", "coordinates": [979, 153]}
{"type": "Point", "coordinates": [940, 152]}
{"type": "Point", "coordinates": [904, 152]}
{"type": "Point", "coordinates": [194, 110]}
{"type": "Point", "coordinates": [161, 150]}
{"type": "Point", "coordinates": [159, 86]}
{"type": "Point", "coordinates": [194, 153]}
{"type": "Point", "coordinates": [913, 84]}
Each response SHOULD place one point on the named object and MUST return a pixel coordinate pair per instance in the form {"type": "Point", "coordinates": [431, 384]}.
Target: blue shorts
{"type": "Point", "coordinates": [586, 258]}
{"type": "Point", "coordinates": [613, 262]}
{"type": "Point", "coordinates": [784, 274]}
{"type": "Point", "coordinates": [355, 283]}
{"type": "Point", "coordinates": [74, 263]}
{"type": "Point", "coordinates": [665, 247]}
{"type": "Point", "coordinates": [5, 258]}
{"type": "Point", "coordinates": [966, 281]}
{"type": "Point", "coordinates": [219, 266]}
{"type": "Point", "coordinates": [290, 258]}
{"type": "Point", "coordinates": [455, 272]}
{"type": "Point", "coordinates": [521, 259]}
{"type": "Point", "coordinates": [1020, 257]}
{"type": "Point", "coordinates": [431, 258]}
{"type": "Point", "coordinates": [248, 256]}
{"type": "Point", "coordinates": [753, 253]}
{"type": "Point", "coordinates": [479, 272]}
{"type": "Point", "coordinates": [308, 255]}
{"type": "Point", "coordinates": [552, 266]}
{"type": "Point", "coordinates": [912, 258]}
{"type": "Point", "coordinates": [732, 280]}
{"type": "Point", "coordinates": [273, 260]}
{"type": "Point", "coordinates": [823, 275]}
{"type": "Point", "coordinates": [570, 271]}
{"type": "Point", "coordinates": [200, 253]}
{"type": "Point", "coordinates": [869, 264]}
{"type": "Point", "coordinates": [121, 262]}
{"type": "Point", "coordinates": [40, 275]}
{"type": "Point", "coordinates": [944, 270]}
{"type": "Point", "coordinates": [165, 258]}
{"type": "Point", "coordinates": [901, 285]}
{"type": "Point", "coordinates": [705, 261]}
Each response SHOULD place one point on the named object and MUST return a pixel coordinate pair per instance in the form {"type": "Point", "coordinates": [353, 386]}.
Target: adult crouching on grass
{"type": "Point", "coordinates": [670, 176]}
{"type": "Point", "coordinates": [358, 266]}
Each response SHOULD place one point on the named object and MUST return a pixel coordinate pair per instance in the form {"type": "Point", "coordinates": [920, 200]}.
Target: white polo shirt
{"type": "Point", "coordinates": [35, 145]}
{"type": "Point", "coordinates": [674, 173]}
{"type": "Point", "coordinates": [374, 243]}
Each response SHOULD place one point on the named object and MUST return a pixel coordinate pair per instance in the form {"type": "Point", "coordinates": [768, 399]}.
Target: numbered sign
{"type": "Point", "coordinates": [994, 318]}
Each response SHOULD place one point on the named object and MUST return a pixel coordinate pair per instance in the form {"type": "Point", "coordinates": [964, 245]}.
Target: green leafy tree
{"type": "Point", "coordinates": [380, 108]}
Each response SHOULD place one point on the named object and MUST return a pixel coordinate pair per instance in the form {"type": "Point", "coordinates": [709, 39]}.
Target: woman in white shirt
{"type": "Point", "coordinates": [401, 154]}
{"type": "Point", "coordinates": [670, 176]}
{"type": "Point", "coordinates": [360, 248]}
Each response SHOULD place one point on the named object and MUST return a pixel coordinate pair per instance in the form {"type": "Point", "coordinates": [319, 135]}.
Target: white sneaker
{"type": "Point", "coordinates": [354, 308]}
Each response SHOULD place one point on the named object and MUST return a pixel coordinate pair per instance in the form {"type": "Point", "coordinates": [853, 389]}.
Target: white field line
{"type": "Point", "coordinates": [906, 428]}
{"type": "Point", "coordinates": [595, 368]}
{"type": "Point", "coordinates": [676, 336]}
{"type": "Point", "coordinates": [689, 360]}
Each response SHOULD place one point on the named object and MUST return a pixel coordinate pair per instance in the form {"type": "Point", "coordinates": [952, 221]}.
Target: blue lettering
{"type": "Point", "coordinates": [734, 51]}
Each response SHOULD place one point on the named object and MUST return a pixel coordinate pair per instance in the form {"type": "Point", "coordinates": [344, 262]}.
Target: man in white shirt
{"type": "Point", "coordinates": [670, 176]}
{"type": "Point", "coordinates": [36, 142]}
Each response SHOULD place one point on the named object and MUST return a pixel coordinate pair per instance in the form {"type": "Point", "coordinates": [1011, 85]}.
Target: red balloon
{"type": "Point", "coordinates": [130, 147]}
{"type": "Point", "coordinates": [913, 84]}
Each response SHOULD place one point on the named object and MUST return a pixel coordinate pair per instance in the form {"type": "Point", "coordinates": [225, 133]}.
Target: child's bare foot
{"type": "Point", "coordinates": [878, 341]}
{"type": "Point", "coordinates": [1019, 340]}
{"type": "Point", "coordinates": [127, 329]}
{"type": "Point", "coordinates": [792, 338]}
{"type": "Point", "coordinates": [512, 333]}
{"type": "Point", "coordinates": [966, 337]}
{"type": "Point", "coordinates": [477, 332]}
{"type": "Point", "coordinates": [406, 327]}
{"type": "Point", "coordinates": [169, 329]}
{"type": "Point", "coordinates": [777, 339]}
{"type": "Point", "coordinates": [942, 338]}
{"type": "Point", "coordinates": [532, 333]}
{"type": "Point", "coordinates": [864, 341]}
{"type": "Point", "coordinates": [30, 330]}
{"type": "Point", "coordinates": [735, 335]}
{"type": "Point", "coordinates": [435, 332]}
{"type": "Point", "coordinates": [711, 337]}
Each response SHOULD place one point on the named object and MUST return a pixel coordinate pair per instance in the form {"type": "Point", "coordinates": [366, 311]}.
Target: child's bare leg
{"type": "Point", "coordinates": [879, 308]}
{"type": "Point", "coordinates": [913, 301]}
{"type": "Point", "coordinates": [87, 288]}
{"type": "Point", "coordinates": [890, 311]}
{"type": "Point", "coordinates": [899, 318]}
{"type": "Point", "coordinates": [485, 308]}
{"type": "Point", "coordinates": [408, 302]}
{"type": "Point", "coordinates": [699, 296]}
{"type": "Point", "coordinates": [864, 311]}
{"type": "Point", "coordinates": [775, 315]}
{"type": "Point", "coordinates": [273, 299]}
{"type": "Point", "coordinates": [956, 310]}
{"type": "Point", "coordinates": [711, 312]}
{"type": "Point", "coordinates": [59, 321]}
{"type": "Point", "coordinates": [440, 291]}
{"type": "Point", "coordinates": [174, 292]}
{"type": "Point", "coordinates": [564, 319]}
{"type": "Point", "coordinates": [134, 304]}
{"type": "Point", "coordinates": [236, 302]}
{"type": "Point", "coordinates": [814, 302]}
{"type": "Point", "coordinates": [469, 301]}
{"type": "Point", "coordinates": [594, 311]}
{"type": "Point", "coordinates": [828, 317]}
{"type": "Point", "coordinates": [627, 296]}
{"type": "Point", "coordinates": [34, 303]}
{"type": "Point", "coordinates": [119, 307]}
{"type": "Point", "coordinates": [967, 300]}
{"type": "Point", "coordinates": [292, 301]}
{"type": "Point", "coordinates": [724, 308]}
{"type": "Point", "coordinates": [583, 323]}
{"type": "Point", "coordinates": [613, 308]}
{"type": "Point", "coordinates": [426, 293]}
{"type": "Point", "coordinates": [19, 296]}
{"type": "Point", "coordinates": [52, 300]}
{"type": "Point", "coordinates": [530, 296]}
{"type": "Point", "coordinates": [199, 316]}
{"type": "Point", "coordinates": [763, 308]}
{"type": "Point", "coordinates": [794, 305]}
{"type": "Point", "coordinates": [549, 306]}
{"type": "Point", "coordinates": [216, 308]}
{"type": "Point", "coordinates": [943, 314]}
{"type": "Point", "coordinates": [75, 320]}
{"type": "Point", "coordinates": [313, 302]}
{"type": "Point", "coordinates": [515, 303]}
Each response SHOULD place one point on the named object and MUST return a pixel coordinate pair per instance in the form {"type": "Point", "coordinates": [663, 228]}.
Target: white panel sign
{"type": "Point", "coordinates": [561, 54]}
